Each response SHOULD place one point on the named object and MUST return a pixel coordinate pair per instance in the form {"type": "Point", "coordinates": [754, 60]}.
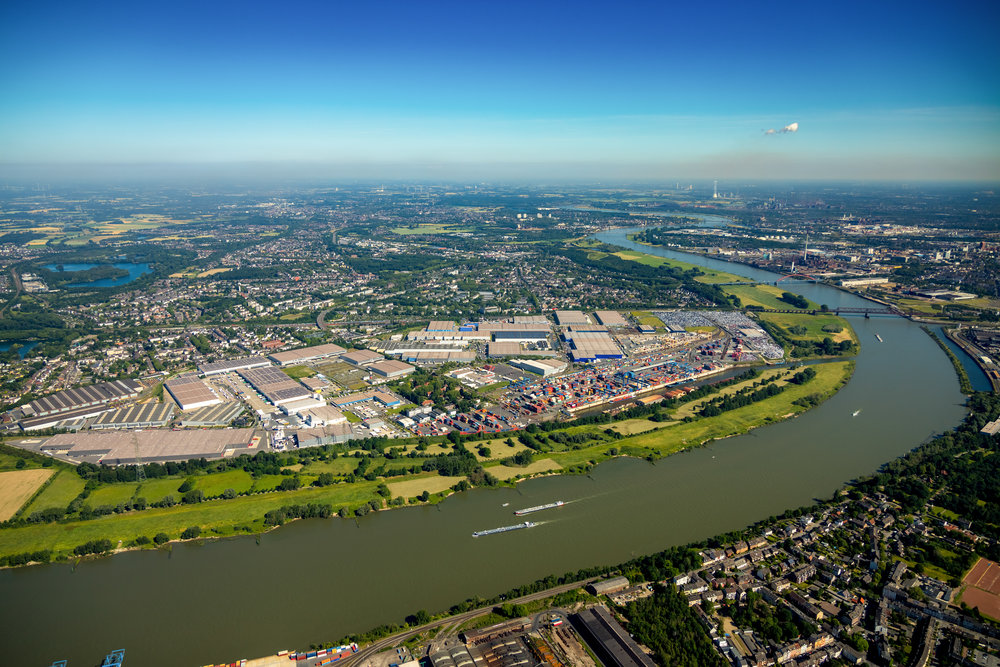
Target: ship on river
{"type": "Point", "coordinates": [504, 529]}
{"type": "Point", "coordinates": [539, 508]}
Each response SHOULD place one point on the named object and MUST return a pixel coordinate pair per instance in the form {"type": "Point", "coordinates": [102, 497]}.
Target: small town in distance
{"type": "Point", "coordinates": [378, 348]}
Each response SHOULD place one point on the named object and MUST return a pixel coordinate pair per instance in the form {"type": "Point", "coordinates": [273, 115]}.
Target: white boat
{"type": "Point", "coordinates": [879, 338]}
{"type": "Point", "coordinates": [856, 413]}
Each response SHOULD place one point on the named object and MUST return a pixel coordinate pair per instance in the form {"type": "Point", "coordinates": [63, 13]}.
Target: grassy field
{"type": "Point", "coordinates": [503, 472]}
{"type": "Point", "coordinates": [765, 296]}
{"type": "Point", "coordinates": [64, 487]}
{"type": "Point", "coordinates": [340, 466]}
{"type": "Point", "coordinates": [219, 517]}
{"type": "Point", "coordinates": [431, 483]}
{"type": "Point", "coordinates": [111, 494]}
{"type": "Point", "coordinates": [214, 485]}
{"type": "Point", "coordinates": [430, 228]}
{"type": "Point", "coordinates": [814, 325]}
{"type": "Point", "coordinates": [155, 490]}
{"type": "Point", "coordinates": [689, 409]}
{"type": "Point", "coordinates": [709, 275]}
{"type": "Point", "coordinates": [17, 486]}
{"type": "Point", "coordinates": [634, 426]}
{"type": "Point", "coordinates": [267, 482]}
{"type": "Point", "coordinates": [299, 372]}
{"type": "Point", "coordinates": [9, 462]}
{"type": "Point", "coordinates": [647, 318]}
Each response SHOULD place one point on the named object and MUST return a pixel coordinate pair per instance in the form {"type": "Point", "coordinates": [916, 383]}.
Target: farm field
{"type": "Point", "coordinates": [17, 486]}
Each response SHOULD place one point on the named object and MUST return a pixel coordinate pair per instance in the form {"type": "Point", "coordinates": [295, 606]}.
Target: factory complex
{"type": "Point", "coordinates": [580, 363]}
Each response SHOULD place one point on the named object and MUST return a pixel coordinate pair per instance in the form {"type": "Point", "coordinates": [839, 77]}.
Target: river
{"type": "Point", "coordinates": [134, 272]}
{"type": "Point", "coordinates": [317, 580]}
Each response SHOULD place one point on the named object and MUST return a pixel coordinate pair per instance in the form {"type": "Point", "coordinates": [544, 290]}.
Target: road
{"type": "Point", "coordinates": [458, 619]}
{"type": "Point", "coordinates": [18, 288]}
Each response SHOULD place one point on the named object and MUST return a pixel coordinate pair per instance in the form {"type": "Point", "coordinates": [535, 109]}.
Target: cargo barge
{"type": "Point", "coordinates": [539, 508]}
{"type": "Point", "coordinates": [504, 529]}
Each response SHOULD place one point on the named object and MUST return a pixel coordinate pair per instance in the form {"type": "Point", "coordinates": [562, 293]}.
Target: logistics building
{"type": "Point", "coordinates": [591, 346]}
{"type": "Point", "coordinates": [324, 415]}
{"type": "Point", "coordinates": [567, 317]}
{"type": "Point", "coordinates": [232, 365]}
{"type": "Point", "coordinates": [333, 434]}
{"type": "Point", "coordinates": [361, 357]}
{"type": "Point", "coordinates": [274, 385]}
{"type": "Point", "coordinates": [213, 415]}
{"type": "Point", "coordinates": [148, 415]}
{"type": "Point", "coordinates": [120, 447]}
{"type": "Point", "coordinates": [304, 354]}
{"type": "Point", "coordinates": [391, 369]}
{"type": "Point", "coordinates": [190, 393]}
{"type": "Point", "coordinates": [611, 318]}
{"type": "Point", "coordinates": [82, 397]}
{"type": "Point", "coordinates": [543, 367]}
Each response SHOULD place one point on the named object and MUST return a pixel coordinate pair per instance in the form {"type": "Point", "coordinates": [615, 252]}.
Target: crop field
{"type": "Point", "coordinates": [17, 486]}
{"type": "Point", "coordinates": [97, 231]}
{"type": "Point", "coordinates": [813, 324]}
{"type": "Point", "coordinates": [66, 486]}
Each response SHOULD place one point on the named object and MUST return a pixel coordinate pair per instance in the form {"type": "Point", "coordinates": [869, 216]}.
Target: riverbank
{"type": "Point", "coordinates": [963, 378]}
{"type": "Point", "coordinates": [244, 515]}
{"type": "Point", "coordinates": [976, 356]}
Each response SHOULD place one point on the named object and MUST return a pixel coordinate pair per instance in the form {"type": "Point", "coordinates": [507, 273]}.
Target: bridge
{"type": "Point", "coordinates": [799, 277]}
{"type": "Point", "coordinates": [885, 310]}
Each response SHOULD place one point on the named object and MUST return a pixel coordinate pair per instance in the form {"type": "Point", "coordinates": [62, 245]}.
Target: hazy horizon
{"type": "Point", "coordinates": [445, 90]}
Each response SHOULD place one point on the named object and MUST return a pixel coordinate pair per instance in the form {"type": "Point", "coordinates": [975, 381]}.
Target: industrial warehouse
{"type": "Point", "coordinates": [128, 448]}
{"type": "Point", "coordinates": [147, 415]}
{"type": "Point", "coordinates": [304, 354]}
{"type": "Point", "coordinates": [82, 397]}
{"type": "Point", "coordinates": [279, 389]}
{"type": "Point", "coordinates": [230, 365]}
{"type": "Point", "coordinates": [190, 393]}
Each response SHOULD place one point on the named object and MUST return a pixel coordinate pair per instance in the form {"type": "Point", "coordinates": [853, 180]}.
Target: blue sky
{"type": "Point", "coordinates": [885, 90]}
